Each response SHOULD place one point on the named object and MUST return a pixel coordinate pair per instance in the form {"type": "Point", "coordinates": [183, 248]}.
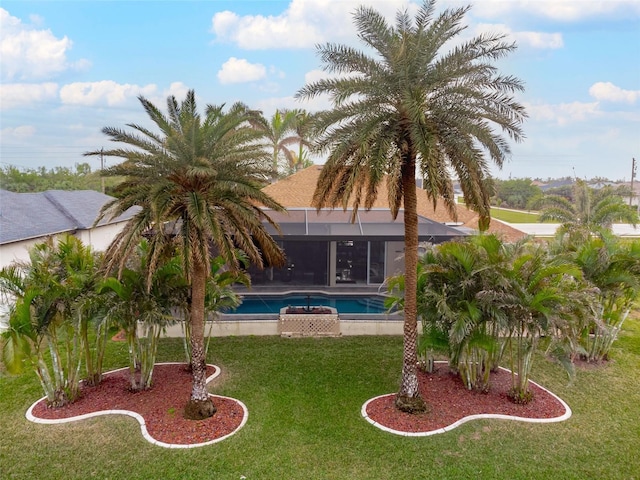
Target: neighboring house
{"type": "Point", "coordinates": [549, 229]}
{"type": "Point", "coordinates": [326, 248]}
{"type": "Point", "coordinates": [29, 218]}
{"type": "Point", "coordinates": [563, 182]}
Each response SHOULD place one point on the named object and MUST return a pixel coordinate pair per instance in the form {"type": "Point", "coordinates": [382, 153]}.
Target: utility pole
{"type": "Point", "coordinates": [102, 167]}
{"type": "Point", "coordinates": [634, 165]}
{"type": "Point", "coordinates": [633, 175]}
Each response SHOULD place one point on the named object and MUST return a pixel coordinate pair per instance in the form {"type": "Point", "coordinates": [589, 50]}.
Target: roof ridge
{"type": "Point", "coordinates": [61, 208]}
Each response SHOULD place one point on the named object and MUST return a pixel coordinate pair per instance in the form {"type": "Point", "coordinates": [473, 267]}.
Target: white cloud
{"type": "Point", "coordinates": [257, 32]}
{"type": "Point", "coordinates": [106, 92]}
{"type": "Point", "coordinates": [14, 95]}
{"type": "Point", "coordinates": [239, 70]}
{"type": "Point", "coordinates": [315, 75]}
{"type": "Point", "coordinates": [607, 91]}
{"type": "Point", "coordinates": [563, 113]}
{"type": "Point", "coordinates": [559, 10]}
{"type": "Point", "coordinates": [306, 23]}
{"type": "Point", "coordinates": [176, 89]}
{"type": "Point", "coordinates": [22, 132]}
{"type": "Point", "coordinates": [29, 53]}
{"type": "Point", "coordinates": [539, 40]}
{"type": "Point", "coordinates": [303, 24]}
{"type": "Point", "coordinates": [268, 106]}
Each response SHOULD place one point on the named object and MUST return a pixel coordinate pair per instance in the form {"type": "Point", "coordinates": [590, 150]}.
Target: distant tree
{"type": "Point", "coordinates": [516, 193]}
{"type": "Point", "coordinates": [40, 179]}
{"type": "Point", "coordinates": [565, 191]}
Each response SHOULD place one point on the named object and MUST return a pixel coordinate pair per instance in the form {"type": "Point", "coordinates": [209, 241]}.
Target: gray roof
{"type": "Point", "coordinates": [32, 215]}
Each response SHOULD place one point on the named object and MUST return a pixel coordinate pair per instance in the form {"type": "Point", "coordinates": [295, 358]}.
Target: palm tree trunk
{"type": "Point", "coordinates": [408, 398]}
{"type": "Point", "coordinates": [200, 405]}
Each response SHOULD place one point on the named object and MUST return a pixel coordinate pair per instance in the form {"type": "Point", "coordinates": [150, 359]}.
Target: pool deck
{"type": "Point", "coordinates": [267, 324]}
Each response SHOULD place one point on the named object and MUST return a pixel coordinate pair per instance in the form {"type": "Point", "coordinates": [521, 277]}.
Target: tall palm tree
{"type": "Point", "coordinates": [409, 109]}
{"type": "Point", "coordinates": [198, 182]}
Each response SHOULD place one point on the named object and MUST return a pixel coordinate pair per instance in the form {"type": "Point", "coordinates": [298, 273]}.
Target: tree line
{"type": "Point", "coordinates": [286, 134]}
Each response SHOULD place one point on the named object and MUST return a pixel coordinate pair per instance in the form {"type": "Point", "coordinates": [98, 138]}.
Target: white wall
{"type": "Point", "coordinates": [98, 238]}
{"type": "Point", "coordinates": [16, 251]}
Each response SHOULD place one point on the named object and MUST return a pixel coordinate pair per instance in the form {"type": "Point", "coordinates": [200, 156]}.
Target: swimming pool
{"type": "Point", "coordinates": [343, 303]}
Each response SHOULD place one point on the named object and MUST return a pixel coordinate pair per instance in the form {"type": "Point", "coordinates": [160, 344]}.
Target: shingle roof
{"type": "Point", "coordinates": [297, 191]}
{"type": "Point", "coordinates": [32, 215]}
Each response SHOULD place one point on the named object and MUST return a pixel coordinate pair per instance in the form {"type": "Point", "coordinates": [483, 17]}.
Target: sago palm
{"type": "Point", "coordinates": [198, 182]}
{"type": "Point", "coordinates": [413, 108]}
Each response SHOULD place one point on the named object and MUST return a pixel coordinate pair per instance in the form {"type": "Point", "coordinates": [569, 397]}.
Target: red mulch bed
{"type": "Point", "coordinates": [449, 402]}
{"type": "Point", "coordinates": [161, 406]}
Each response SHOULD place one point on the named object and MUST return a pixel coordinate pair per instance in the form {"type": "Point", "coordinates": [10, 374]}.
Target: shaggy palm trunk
{"type": "Point", "coordinates": [200, 405]}
{"type": "Point", "coordinates": [408, 398]}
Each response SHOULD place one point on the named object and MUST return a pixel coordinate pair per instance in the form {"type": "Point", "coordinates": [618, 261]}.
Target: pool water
{"type": "Point", "coordinates": [266, 304]}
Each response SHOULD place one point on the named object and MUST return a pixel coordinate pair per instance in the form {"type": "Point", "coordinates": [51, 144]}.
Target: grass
{"type": "Point", "coordinates": [509, 215]}
{"type": "Point", "coordinates": [304, 398]}
{"type": "Point", "coordinates": [512, 216]}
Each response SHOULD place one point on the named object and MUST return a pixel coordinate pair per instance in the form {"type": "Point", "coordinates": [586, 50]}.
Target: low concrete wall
{"type": "Point", "coordinates": [269, 326]}
{"type": "Point", "coordinates": [231, 329]}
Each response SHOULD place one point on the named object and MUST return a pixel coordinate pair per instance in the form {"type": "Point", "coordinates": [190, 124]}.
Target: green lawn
{"type": "Point", "coordinates": [513, 216]}
{"type": "Point", "coordinates": [304, 398]}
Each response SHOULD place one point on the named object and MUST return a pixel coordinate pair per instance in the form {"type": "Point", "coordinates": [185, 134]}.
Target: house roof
{"type": "Point", "coordinates": [297, 191]}
{"type": "Point", "coordinates": [31, 215]}
{"type": "Point", "coordinates": [374, 224]}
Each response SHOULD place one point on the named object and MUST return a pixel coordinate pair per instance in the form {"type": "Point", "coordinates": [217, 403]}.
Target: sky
{"type": "Point", "coordinates": [70, 68]}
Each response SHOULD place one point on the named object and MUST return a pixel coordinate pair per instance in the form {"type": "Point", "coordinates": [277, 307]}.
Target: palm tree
{"type": "Point", "coordinates": [134, 299]}
{"type": "Point", "coordinates": [198, 183]}
{"type": "Point", "coordinates": [611, 268]}
{"type": "Point", "coordinates": [455, 273]}
{"type": "Point", "coordinates": [589, 212]}
{"type": "Point", "coordinates": [219, 296]}
{"type": "Point", "coordinates": [538, 294]}
{"type": "Point", "coordinates": [281, 133]}
{"type": "Point", "coordinates": [303, 128]}
{"type": "Point", "coordinates": [413, 109]}
{"type": "Point", "coordinates": [43, 320]}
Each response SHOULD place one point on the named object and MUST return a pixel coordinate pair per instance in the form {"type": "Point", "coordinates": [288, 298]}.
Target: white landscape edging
{"type": "Point", "coordinates": [140, 419]}
{"type": "Point", "coordinates": [561, 418]}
